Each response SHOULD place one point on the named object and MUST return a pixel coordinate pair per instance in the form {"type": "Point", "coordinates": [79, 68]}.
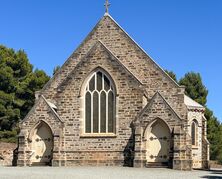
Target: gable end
{"type": "Point", "coordinates": [99, 43]}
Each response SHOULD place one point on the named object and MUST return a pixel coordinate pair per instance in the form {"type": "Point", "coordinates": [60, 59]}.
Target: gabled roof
{"type": "Point", "coordinates": [158, 66]}
{"type": "Point", "coordinates": [111, 55]}
{"type": "Point", "coordinates": [149, 106]}
{"type": "Point", "coordinates": [191, 103]}
{"type": "Point", "coordinates": [72, 57]}
{"type": "Point", "coordinates": [50, 105]}
{"type": "Point", "coordinates": [119, 62]}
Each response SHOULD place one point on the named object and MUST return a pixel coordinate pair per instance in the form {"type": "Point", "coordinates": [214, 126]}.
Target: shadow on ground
{"type": "Point", "coordinates": [213, 174]}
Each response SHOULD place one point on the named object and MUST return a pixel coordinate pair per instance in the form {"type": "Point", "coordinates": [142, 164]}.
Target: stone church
{"type": "Point", "coordinates": [110, 104]}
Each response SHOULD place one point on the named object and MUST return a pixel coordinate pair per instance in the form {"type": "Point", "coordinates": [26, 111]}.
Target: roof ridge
{"type": "Point", "coordinates": [150, 103]}
{"type": "Point", "coordinates": [127, 69]}
{"type": "Point", "coordinates": [35, 106]}
{"type": "Point", "coordinates": [71, 56]}
{"type": "Point", "coordinates": [85, 39]}
{"type": "Point", "coordinates": [110, 53]}
{"type": "Point", "coordinates": [108, 15]}
{"type": "Point", "coordinates": [195, 104]}
{"type": "Point", "coordinates": [55, 113]}
{"type": "Point", "coordinates": [168, 104]}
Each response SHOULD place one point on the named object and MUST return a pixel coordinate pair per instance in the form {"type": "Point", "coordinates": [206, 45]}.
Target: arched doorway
{"type": "Point", "coordinates": [158, 143]}
{"type": "Point", "coordinates": [42, 145]}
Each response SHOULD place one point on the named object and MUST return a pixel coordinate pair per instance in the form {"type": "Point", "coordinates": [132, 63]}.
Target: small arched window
{"type": "Point", "coordinates": [99, 104]}
{"type": "Point", "coordinates": [194, 132]}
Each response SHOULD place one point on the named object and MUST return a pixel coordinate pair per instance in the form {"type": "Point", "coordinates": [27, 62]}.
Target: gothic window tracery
{"type": "Point", "coordinates": [99, 104]}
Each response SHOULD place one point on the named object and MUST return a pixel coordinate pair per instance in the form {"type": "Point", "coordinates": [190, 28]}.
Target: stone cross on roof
{"type": "Point", "coordinates": [107, 4]}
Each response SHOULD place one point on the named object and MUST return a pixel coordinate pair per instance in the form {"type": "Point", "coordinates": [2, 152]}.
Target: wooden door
{"type": "Point", "coordinates": [42, 145]}
{"type": "Point", "coordinates": [158, 143]}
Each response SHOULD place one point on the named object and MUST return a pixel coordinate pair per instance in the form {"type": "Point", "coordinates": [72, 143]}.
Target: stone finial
{"type": "Point", "coordinates": [37, 95]}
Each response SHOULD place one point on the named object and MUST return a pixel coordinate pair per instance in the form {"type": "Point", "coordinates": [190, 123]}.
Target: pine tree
{"type": "Point", "coordinates": [18, 83]}
{"type": "Point", "coordinates": [194, 87]}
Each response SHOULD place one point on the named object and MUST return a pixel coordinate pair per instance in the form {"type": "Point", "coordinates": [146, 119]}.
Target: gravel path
{"type": "Point", "coordinates": [101, 173]}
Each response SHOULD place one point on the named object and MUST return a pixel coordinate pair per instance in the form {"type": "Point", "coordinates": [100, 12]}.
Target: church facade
{"type": "Point", "coordinates": [110, 104]}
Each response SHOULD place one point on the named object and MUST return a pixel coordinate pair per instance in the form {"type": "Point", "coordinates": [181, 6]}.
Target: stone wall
{"type": "Point", "coordinates": [131, 55]}
{"type": "Point", "coordinates": [105, 148]}
{"type": "Point", "coordinates": [136, 77]}
{"type": "Point", "coordinates": [196, 150]}
{"type": "Point", "coordinates": [180, 150]}
{"type": "Point", "coordinates": [6, 153]}
{"type": "Point", "coordinates": [40, 112]}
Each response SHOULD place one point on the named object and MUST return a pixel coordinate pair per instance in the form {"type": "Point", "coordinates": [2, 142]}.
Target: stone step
{"type": "Point", "coordinates": [157, 165]}
{"type": "Point", "coordinates": [37, 164]}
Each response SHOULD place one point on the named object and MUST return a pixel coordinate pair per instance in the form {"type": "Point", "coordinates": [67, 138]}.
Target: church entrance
{"type": "Point", "coordinates": [42, 145]}
{"type": "Point", "coordinates": [158, 144]}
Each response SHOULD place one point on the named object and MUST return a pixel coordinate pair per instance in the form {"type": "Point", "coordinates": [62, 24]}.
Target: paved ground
{"type": "Point", "coordinates": [102, 173]}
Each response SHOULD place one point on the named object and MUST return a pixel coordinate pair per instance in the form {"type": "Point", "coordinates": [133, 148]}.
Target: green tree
{"type": "Point", "coordinates": [18, 83]}
{"type": "Point", "coordinates": [172, 75]}
{"type": "Point", "coordinates": [214, 135]}
{"type": "Point", "coordinates": [194, 87]}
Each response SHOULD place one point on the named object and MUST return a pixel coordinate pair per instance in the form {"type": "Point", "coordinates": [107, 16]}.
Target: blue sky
{"type": "Point", "coordinates": [180, 35]}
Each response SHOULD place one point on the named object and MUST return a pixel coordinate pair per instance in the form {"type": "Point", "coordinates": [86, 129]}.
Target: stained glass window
{"type": "Point", "coordinates": [95, 112]}
{"type": "Point", "coordinates": [88, 112]}
{"type": "Point", "coordinates": [99, 104]}
{"type": "Point", "coordinates": [110, 111]}
{"type": "Point", "coordinates": [194, 133]}
{"type": "Point", "coordinates": [103, 112]}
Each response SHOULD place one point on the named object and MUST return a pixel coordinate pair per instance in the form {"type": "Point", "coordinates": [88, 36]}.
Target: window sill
{"type": "Point", "coordinates": [102, 135]}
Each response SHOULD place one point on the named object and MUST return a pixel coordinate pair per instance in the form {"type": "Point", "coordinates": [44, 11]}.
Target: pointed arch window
{"type": "Point", "coordinates": [99, 104]}
{"type": "Point", "coordinates": [194, 132]}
